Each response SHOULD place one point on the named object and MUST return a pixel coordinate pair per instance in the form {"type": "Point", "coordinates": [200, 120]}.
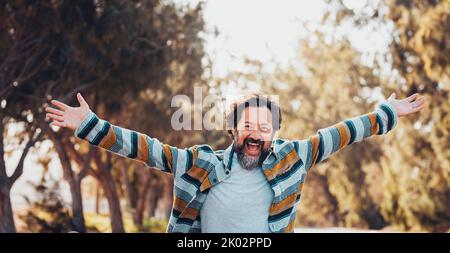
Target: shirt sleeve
{"type": "Point", "coordinates": [134, 145]}
{"type": "Point", "coordinates": [328, 141]}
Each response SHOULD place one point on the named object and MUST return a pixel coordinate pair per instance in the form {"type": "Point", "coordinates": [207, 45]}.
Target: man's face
{"type": "Point", "coordinates": [253, 136]}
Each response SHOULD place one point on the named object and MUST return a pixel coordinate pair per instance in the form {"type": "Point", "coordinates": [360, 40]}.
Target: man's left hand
{"type": "Point", "coordinates": [409, 105]}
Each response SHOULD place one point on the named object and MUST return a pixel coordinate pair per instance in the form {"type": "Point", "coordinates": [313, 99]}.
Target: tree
{"type": "Point", "coordinates": [416, 164]}
{"type": "Point", "coordinates": [329, 81]}
{"type": "Point", "coordinates": [114, 51]}
{"type": "Point", "coordinates": [23, 52]}
{"type": "Point", "coordinates": [329, 76]}
{"type": "Point", "coordinates": [418, 190]}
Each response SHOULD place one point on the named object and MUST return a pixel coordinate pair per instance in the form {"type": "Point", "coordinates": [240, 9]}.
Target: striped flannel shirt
{"type": "Point", "coordinates": [196, 169]}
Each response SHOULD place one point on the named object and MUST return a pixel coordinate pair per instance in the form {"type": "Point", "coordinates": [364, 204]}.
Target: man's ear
{"type": "Point", "coordinates": [233, 133]}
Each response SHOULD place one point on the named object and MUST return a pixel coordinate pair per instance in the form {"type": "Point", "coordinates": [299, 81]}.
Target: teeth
{"type": "Point", "coordinates": [253, 146]}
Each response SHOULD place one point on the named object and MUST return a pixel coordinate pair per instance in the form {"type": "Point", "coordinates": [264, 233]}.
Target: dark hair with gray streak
{"type": "Point", "coordinates": [258, 100]}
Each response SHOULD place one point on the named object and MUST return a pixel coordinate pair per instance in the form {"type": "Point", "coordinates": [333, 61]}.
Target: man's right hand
{"type": "Point", "coordinates": [67, 116]}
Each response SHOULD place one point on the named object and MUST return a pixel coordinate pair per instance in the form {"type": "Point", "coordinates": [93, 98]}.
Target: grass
{"type": "Point", "coordinates": [101, 223]}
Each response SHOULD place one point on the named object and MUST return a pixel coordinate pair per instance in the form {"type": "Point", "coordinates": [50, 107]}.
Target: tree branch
{"type": "Point", "coordinates": [64, 159]}
{"type": "Point", "coordinates": [19, 168]}
{"type": "Point", "coordinates": [3, 175]}
{"type": "Point", "coordinates": [75, 155]}
{"type": "Point", "coordinates": [85, 169]}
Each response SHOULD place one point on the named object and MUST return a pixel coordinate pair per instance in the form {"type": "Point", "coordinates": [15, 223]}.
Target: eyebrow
{"type": "Point", "coordinates": [262, 124]}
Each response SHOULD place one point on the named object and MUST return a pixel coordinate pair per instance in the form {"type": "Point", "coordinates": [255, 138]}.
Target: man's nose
{"type": "Point", "coordinates": [255, 134]}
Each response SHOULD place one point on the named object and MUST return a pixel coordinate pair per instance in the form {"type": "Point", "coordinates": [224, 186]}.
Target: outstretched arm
{"type": "Point", "coordinates": [88, 126]}
{"type": "Point", "coordinates": [329, 140]}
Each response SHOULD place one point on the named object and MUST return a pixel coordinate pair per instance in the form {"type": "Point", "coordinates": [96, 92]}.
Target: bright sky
{"type": "Point", "coordinates": [258, 29]}
{"type": "Point", "coordinates": [272, 29]}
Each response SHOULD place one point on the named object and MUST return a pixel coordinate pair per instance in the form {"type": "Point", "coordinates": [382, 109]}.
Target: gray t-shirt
{"type": "Point", "coordinates": [239, 204]}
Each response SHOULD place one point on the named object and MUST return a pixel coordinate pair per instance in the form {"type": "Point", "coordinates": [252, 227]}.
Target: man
{"type": "Point", "coordinates": [252, 186]}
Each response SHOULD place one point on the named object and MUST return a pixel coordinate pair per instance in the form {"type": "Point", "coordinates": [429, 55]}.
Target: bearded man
{"type": "Point", "coordinates": [252, 186]}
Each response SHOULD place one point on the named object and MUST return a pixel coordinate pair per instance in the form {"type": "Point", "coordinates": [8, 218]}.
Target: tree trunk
{"type": "Point", "coordinates": [97, 198]}
{"type": "Point", "coordinates": [167, 197]}
{"type": "Point", "coordinates": [77, 206]}
{"type": "Point", "coordinates": [143, 191]}
{"type": "Point", "coordinates": [154, 192]}
{"type": "Point", "coordinates": [6, 212]}
{"type": "Point", "coordinates": [130, 193]}
{"type": "Point", "coordinates": [333, 216]}
{"type": "Point", "coordinates": [109, 189]}
{"type": "Point", "coordinates": [74, 184]}
{"type": "Point", "coordinates": [115, 213]}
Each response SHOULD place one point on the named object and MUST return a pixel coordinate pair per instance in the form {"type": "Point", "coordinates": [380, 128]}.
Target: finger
{"type": "Point", "coordinates": [418, 102]}
{"type": "Point", "coordinates": [61, 105]}
{"type": "Point", "coordinates": [392, 96]}
{"type": "Point", "coordinates": [81, 100]}
{"type": "Point", "coordinates": [419, 108]}
{"type": "Point", "coordinates": [412, 97]}
{"type": "Point", "coordinates": [57, 123]}
{"type": "Point", "coordinates": [55, 117]}
{"type": "Point", "coordinates": [54, 111]}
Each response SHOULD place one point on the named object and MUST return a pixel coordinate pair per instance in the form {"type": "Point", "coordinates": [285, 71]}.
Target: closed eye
{"type": "Point", "coordinates": [248, 125]}
{"type": "Point", "coordinates": [265, 128]}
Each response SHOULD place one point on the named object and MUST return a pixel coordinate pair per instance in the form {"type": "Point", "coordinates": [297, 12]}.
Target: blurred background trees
{"type": "Point", "coordinates": [117, 53]}
{"type": "Point", "coordinates": [129, 58]}
{"type": "Point", "coordinates": [416, 159]}
{"type": "Point", "coordinates": [399, 181]}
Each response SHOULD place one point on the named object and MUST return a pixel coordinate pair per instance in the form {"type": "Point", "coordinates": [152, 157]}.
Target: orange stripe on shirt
{"type": "Point", "coordinates": [168, 155]}
{"type": "Point", "coordinates": [109, 139]}
{"type": "Point", "coordinates": [315, 148]}
{"type": "Point", "coordinates": [179, 204]}
{"type": "Point", "coordinates": [142, 148]}
{"type": "Point", "coordinates": [288, 159]}
{"type": "Point", "coordinates": [197, 173]}
{"type": "Point", "coordinates": [283, 205]}
{"type": "Point", "coordinates": [344, 134]}
{"type": "Point", "coordinates": [373, 123]}
{"type": "Point", "coordinates": [205, 185]}
{"type": "Point", "coordinates": [190, 213]}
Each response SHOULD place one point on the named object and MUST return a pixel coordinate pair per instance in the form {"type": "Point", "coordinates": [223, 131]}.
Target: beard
{"type": "Point", "coordinates": [250, 162]}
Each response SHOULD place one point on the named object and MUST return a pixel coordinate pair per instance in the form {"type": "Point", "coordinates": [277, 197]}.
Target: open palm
{"type": "Point", "coordinates": [409, 105]}
{"type": "Point", "coordinates": [67, 116]}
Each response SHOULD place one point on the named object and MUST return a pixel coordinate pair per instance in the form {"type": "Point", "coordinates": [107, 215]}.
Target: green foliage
{"type": "Point", "coordinates": [398, 181]}
{"type": "Point", "coordinates": [111, 50]}
{"type": "Point", "coordinates": [128, 58]}
{"type": "Point", "coordinates": [418, 175]}
{"type": "Point", "coordinates": [99, 223]}
{"type": "Point", "coordinates": [407, 173]}
{"type": "Point", "coordinates": [151, 225]}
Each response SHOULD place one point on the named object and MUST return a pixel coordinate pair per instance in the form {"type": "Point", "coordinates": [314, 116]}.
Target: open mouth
{"type": "Point", "coordinates": [253, 146]}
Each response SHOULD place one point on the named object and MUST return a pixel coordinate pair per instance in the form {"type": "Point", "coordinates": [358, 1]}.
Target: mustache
{"type": "Point", "coordinates": [253, 141]}
{"type": "Point", "coordinates": [249, 162]}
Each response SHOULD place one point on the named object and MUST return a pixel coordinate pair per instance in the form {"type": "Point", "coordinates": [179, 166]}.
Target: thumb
{"type": "Point", "coordinates": [82, 101]}
{"type": "Point", "coordinates": [392, 96]}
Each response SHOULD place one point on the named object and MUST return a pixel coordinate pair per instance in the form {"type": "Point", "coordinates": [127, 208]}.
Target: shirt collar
{"type": "Point", "coordinates": [274, 148]}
